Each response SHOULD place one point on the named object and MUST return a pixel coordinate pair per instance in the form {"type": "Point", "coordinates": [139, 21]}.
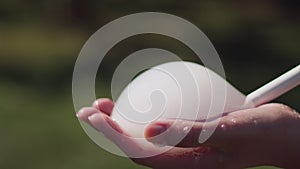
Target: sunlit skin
{"type": "Point", "coordinates": [266, 135]}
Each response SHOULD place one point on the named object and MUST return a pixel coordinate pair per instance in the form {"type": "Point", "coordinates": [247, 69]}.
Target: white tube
{"type": "Point", "coordinates": [275, 88]}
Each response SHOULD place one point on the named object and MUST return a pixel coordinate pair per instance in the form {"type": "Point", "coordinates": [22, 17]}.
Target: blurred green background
{"type": "Point", "coordinates": [40, 41]}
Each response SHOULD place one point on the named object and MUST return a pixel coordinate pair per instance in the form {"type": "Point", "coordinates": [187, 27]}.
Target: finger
{"type": "Point", "coordinates": [178, 156]}
{"type": "Point", "coordinates": [111, 130]}
{"type": "Point", "coordinates": [205, 157]}
{"type": "Point", "coordinates": [105, 105]}
{"type": "Point", "coordinates": [231, 128]}
{"type": "Point", "coordinates": [173, 133]}
{"type": "Point", "coordinates": [85, 112]}
{"type": "Point", "coordinates": [102, 122]}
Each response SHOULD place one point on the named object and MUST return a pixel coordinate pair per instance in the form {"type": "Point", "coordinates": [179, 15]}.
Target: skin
{"type": "Point", "coordinates": [266, 135]}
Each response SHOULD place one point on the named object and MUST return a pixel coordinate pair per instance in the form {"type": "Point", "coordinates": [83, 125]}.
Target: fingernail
{"type": "Point", "coordinates": [155, 136]}
{"type": "Point", "coordinates": [80, 112]}
{"type": "Point", "coordinates": [155, 130]}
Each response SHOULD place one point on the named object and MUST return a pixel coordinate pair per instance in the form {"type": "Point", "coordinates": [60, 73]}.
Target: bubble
{"type": "Point", "coordinates": [233, 121]}
{"type": "Point", "coordinates": [84, 79]}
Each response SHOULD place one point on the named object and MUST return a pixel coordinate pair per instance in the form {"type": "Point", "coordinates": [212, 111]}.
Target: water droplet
{"type": "Point", "coordinates": [223, 126]}
{"type": "Point", "coordinates": [255, 122]}
{"type": "Point", "coordinates": [233, 121]}
{"type": "Point", "coordinates": [197, 158]}
{"type": "Point", "coordinates": [186, 129]}
{"type": "Point", "coordinates": [286, 108]}
{"type": "Point", "coordinates": [197, 154]}
{"type": "Point", "coordinates": [196, 162]}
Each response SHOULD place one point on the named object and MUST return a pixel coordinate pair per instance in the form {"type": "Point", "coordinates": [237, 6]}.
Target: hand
{"type": "Point", "coordinates": [264, 135]}
{"type": "Point", "coordinates": [177, 158]}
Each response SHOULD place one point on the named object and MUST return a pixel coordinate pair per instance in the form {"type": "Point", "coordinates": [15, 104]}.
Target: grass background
{"type": "Point", "coordinates": [40, 41]}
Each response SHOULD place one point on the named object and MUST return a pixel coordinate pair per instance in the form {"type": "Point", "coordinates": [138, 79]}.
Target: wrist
{"type": "Point", "coordinates": [290, 145]}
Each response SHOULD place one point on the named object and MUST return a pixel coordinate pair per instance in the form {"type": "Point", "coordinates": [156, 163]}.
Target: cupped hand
{"type": "Point", "coordinates": [266, 135]}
